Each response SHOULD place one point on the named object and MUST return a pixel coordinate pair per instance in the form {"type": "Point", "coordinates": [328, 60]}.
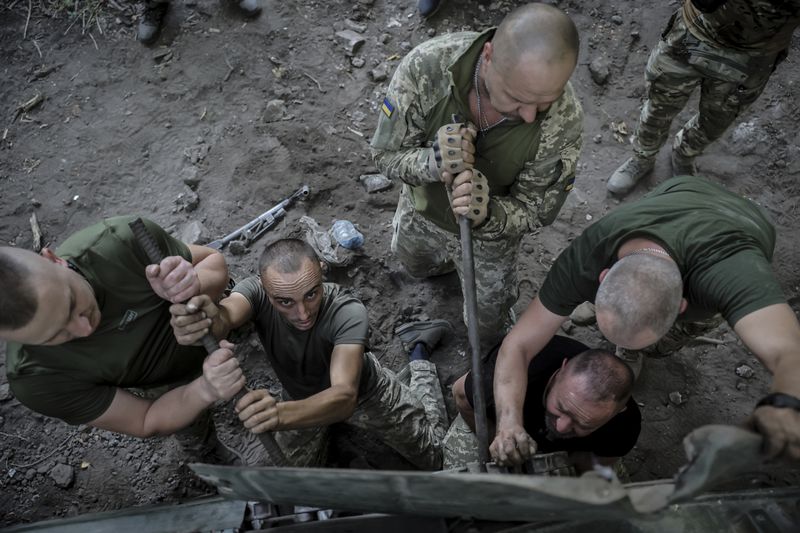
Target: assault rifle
{"type": "Point", "coordinates": [259, 225]}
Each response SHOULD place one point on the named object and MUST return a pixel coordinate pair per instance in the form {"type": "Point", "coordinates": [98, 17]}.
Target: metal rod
{"type": "Point", "coordinates": [154, 254]}
{"type": "Point", "coordinates": [471, 302]}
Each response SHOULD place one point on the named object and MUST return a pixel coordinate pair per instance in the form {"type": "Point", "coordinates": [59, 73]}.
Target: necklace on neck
{"type": "Point", "coordinates": [483, 122]}
{"type": "Point", "coordinates": [649, 251]}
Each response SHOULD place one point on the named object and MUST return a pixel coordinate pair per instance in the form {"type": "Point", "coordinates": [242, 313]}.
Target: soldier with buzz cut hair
{"type": "Point", "coordinates": [661, 271]}
{"type": "Point", "coordinates": [729, 48]}
{"type": "Point", "coordinates": [493, 116]}
{"type": "Point", "coordinates": [89, 338]}
{"type": "Point", "coordinates": [315, 338]}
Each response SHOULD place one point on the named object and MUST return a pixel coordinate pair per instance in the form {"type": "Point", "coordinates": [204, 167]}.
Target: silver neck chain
{"type": "Point", "coordinates": [482, 120]}
{"type": "Point", "coordinates": [649, 251]}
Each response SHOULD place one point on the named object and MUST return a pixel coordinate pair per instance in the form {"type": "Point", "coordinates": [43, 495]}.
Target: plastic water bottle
{"type": "Point", "coordinates": [346, 234]}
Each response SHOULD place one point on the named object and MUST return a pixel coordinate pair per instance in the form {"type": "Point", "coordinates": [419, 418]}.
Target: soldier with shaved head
{"type": "Point", "coordinates": [662, 271]}
{"type": "Point", "coordinates": [492, 116]}
{"type": "Point", "coordinates": [87, 324]}
{"type": "Point", "coordinates": [315, 336]}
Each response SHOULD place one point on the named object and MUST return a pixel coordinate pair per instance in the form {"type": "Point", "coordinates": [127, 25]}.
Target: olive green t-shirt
{"type": "Point", "coordinates": [722, 243]}
{"type": "Point", "coordinates": [302, 359]}
{"type": "Point", "coordinates": [133, 345]}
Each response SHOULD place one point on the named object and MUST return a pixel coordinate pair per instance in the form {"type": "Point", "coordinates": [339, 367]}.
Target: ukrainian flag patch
{"type": "Point", "coordinates": [387, 108]}
{"type": "Point", "coordinates": [570, 184]}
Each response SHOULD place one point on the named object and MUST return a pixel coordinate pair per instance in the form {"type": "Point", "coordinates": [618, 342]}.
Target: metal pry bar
{"type": "Point", "coordinates": [154, 254]}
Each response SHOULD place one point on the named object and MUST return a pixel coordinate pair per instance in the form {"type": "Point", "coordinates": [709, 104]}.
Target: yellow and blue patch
{"type": "Point", "coordinates": [570, 184]}
{"type": "Point", "coordinates": [387, 108]}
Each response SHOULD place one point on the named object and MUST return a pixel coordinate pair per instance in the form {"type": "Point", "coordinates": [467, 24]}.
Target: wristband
{"type": "Point", "coordinates": [780, 400]}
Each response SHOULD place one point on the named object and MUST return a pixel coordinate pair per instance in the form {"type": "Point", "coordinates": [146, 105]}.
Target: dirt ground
{"type": "Point", "coordinates": [190, 133]}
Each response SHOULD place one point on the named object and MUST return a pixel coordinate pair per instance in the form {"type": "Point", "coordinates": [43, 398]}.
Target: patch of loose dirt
{"type": "Point", "coordinates": [188, 136]}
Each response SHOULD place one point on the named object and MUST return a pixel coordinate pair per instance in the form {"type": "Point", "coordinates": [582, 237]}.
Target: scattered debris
{"type": "Point", "coordinates": [584, 315]}
{"type": "Point", "coordinates": [27, 106]}
{"type": "Point", "coordinates": [323, 244]}
{"type": "Point", "coordinates": [29, 165]}
{"type": "Point", "coordinates": [195, 154]}
{"type": "Point", "coordinates": [357, 62]}
{"type": "Point", "coordinates": [598, 138]}
{"type": "Point", "coordinates": [231, 68]}
{"type": "Point", "coordinates": [193, 232]}
{"type": "Point", "coordinates": [355, 26]}
{"type": "Point", "coordinates": [190, 178]}
{"type": "Point", "coordinates": [677, 398]}
{"type": "Point", "coordinates": [355, 132]}
{"type": "Point", "coordinates": [187, 201]}
{"type": "Point", "coordinates": [312, 78]}
{"type": "Point", "coordinates": [599, 68]}
{"type": "Point", "coordinates": [616, 19]}
{"type": "Point", "coordinates": [275, 111]}
{"type": "Point", "coordinates": [375, 182]}
{"type": "Point", "coordinates": [620, 130]}
{"type": "Point", "coordinates": [745, 372]}
{"type": "Point", "coordinates": [708, 340]}
{"type": "Point", "coordinates": [379, 73]}
{"type": "Point", "coordinates": [351, 41]}
{"type": "Point", "coordinates": [63, 475]}
{"type": "Point", "coordinates": [37, 236]}
{"type": "Point", "coordinates": [44, 71]}
{"type": "Point", "coordinates": [237, 248]}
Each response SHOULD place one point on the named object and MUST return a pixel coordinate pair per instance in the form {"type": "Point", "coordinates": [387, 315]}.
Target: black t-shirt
{"type": "Point", "coordinates": [614, 439]}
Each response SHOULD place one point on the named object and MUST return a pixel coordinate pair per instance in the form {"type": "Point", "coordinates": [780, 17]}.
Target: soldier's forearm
{"type": "Point", "coordinates": [409, 166]}
{"type": "Point", "coordinates": [332, 405]}
{"type": "Point", "coordinates": [213, 275]}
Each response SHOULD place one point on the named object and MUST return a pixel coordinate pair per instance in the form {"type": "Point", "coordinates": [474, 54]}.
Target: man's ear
{"type": "Point", "coordinates": [603, 274]}
{"type": "Point", "coordinates": [51, 256]}
{"type": "Point", "coordinates": [684, 305]}
{"type": "Point", "coordinates": [487, 51]}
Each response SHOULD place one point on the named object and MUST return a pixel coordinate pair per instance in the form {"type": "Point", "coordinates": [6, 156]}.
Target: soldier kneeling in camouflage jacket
{"type": "Point", "coordinates": [465, 106]}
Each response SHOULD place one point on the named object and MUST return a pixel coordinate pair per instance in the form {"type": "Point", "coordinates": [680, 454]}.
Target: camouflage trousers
{"type": "Point", "coordinates": [679, 335]}
{"type": "Point", "coordinates": [460, 446]}
{"type": "Point", "coordinates": [410, 418]}
{"type": "Point", "coordinates": [729, 82]}
{"type": "Point", "coordinates": [426, 250]}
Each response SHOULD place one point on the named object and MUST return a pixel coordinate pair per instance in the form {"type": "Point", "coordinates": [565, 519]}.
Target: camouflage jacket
{"type": "Point", "coordinates": [530, 167]}
{"type": "Point", "coordinates": [754, 26]}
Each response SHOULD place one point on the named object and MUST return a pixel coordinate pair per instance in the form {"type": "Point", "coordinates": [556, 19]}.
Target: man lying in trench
{"type": "Point", "coordinates": [577, 400]}
{"type": "Point", "coordinates": [315, 337]}
{"type": "Point", "coordinates": [661, 271]}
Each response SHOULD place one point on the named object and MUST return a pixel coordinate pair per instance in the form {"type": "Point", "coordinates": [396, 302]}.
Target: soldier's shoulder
{"type": "Point", "coordinates": [567, 110]}
{"type": "Point", "coordinates": [569, 101]}
{"type": "Point", "coordinates": [439, 52]}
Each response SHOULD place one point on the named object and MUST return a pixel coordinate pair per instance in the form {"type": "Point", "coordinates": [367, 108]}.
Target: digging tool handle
{"type": "Point", "coordinates": [154, 254]}
{"type": "Point", "coordinates": [471, 301]}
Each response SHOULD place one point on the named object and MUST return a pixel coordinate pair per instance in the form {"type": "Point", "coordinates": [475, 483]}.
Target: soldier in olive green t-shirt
{"type": "Point", "coordinates": [315, 336]}
{"type": "Point", "coordinates": [663, 266]}
{"type": "Point", "coordinates": [92, 319]}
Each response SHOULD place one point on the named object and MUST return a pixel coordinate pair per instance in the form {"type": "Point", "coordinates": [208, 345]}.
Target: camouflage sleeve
{"type": "Point", "coordinates": [398, 146]}
{"type": "Point", "coordinates": [541, 187]}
